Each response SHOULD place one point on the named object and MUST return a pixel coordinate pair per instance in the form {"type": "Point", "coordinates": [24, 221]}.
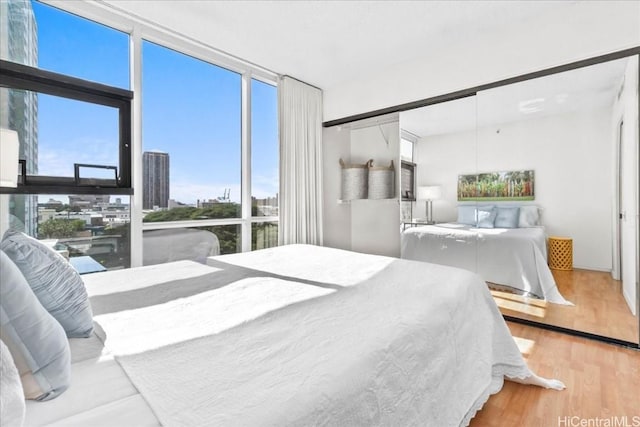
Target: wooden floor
{"type": "Point", "coordinates": [599, 307]}
{"type": "Point", "coordinates": [603, 381]}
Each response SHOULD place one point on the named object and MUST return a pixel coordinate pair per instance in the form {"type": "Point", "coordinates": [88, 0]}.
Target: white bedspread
{"type": "Point", "coordinates": [513, 257]}
{"type": "Point", "coordinates": [302, 335]}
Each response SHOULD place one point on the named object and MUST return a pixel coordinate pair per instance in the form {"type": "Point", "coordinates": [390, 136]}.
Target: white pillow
{"type": "Point", "coordinates": [12, 406]}
{"type": "Point", "coordinates": [529, 216]}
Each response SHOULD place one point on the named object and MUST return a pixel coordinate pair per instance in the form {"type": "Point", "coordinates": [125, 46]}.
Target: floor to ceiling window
{"type": "Point", "coordinates": [264, 165]}
{"type": "Point", "coordinates": [191, 139]}
{"type": "Point", "coordinates": [192, 120]}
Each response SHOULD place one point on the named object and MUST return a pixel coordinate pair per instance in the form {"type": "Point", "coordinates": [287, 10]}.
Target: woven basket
{"type": "Point", "coordinates": [381, 179]}
{"type": "Point", "coordinates": [354, 180]}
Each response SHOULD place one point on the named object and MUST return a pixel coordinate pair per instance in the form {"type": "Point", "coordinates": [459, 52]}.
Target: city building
{"type": "Point", "coordinates": [85, 201]}
{"type": "Point", "coordinates": [155, 184]}
{"type": "Point", "coordinates": [18, 108]}
{"type": "Point", "coordinates": [207, 203]}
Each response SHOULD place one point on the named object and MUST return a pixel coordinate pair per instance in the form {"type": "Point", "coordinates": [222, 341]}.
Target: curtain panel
{"type": "Point", "coordinates": [300, 114]}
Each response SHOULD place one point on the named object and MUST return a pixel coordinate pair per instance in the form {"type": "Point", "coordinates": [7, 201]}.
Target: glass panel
{"type": "Point", "coordinates": [56, 132]}
{"type": "Point", "coordinates": [264, 149]}
{"type": "Point", "coordinates": [45, 37]}
{"type": "Point", "coordinates": [406, 150]}
{"type": "Point", "coordinates": [193, 243]}
{"type": "Point", "coordinates": [191, 143]}
{"type": "Point", "coordinates": [445, 149]}
{"type": "Point", "coordinates": [264, 235]}
{"type": "Point", "coordinates": [94, 229]}
{"type": "Point", "coordinates": [554, 146]}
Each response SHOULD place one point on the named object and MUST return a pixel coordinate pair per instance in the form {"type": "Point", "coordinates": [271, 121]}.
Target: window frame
{"type": "Point", "coordinates": [23, 77]}
{"type": "Point", "coordinates": [139, 29]}
{"type": "Point", "coordinates": [410, 167]}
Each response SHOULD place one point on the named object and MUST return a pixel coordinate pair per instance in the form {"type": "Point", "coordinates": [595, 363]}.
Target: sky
{"type": "Point", "coordinates": [191, 110]}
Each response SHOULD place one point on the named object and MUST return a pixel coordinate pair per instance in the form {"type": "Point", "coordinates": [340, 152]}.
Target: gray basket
{"type": "Point", "coordinates": [354, 180]}
{"type": "Point", "coordinates": [381, 179]}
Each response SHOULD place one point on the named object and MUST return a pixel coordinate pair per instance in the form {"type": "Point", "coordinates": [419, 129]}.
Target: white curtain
{"type": "Point", "coordinates": [300, 114]}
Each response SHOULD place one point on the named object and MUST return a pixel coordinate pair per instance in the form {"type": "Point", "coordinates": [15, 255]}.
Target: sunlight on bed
{"type": "Point", "coordinates": [148, 277]}
{"type": "Point", "coordinates": [207, 313]}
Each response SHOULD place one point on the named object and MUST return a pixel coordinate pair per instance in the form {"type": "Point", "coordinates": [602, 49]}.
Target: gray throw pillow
{"type": "Point", "coordinates": [55, 282]}
{"type": "Point", "coordinates": [467, 214]}
{"type": "Point", "coordinates": [507, 217]}
{"type": "Point", "coordinates": [35, 339]}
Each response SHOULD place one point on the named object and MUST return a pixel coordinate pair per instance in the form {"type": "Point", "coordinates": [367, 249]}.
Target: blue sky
{"type": "Point", "coordinates": [191, 109]}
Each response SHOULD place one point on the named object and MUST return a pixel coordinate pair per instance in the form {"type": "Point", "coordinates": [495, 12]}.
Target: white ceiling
{"type": "Point", "coordinates": [328, 42]}
{"type": "Point", "coordinates": [582, 89]}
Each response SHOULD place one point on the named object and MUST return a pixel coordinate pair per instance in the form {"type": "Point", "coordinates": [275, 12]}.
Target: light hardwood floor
{"type": "Point", "coordinates": [603, 381]}
{"type": "Point", "coordinates": [599, 307]}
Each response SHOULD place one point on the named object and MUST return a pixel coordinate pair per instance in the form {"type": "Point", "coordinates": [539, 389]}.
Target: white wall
{"type": "Point", "coordinates": [584, 30]}
{"type": "Point", "coordinates": [375, 224]}
{"type": "Point", "coordinates": [336, 217]}
{"type": "Point", "coordinates": [572, 183]}
{"type": "Point", "coordinates": [369, 226]}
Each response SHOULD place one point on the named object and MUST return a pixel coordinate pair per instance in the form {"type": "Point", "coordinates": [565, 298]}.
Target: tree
{"type": "Point", "coordinates": [57, 228]}
{"type": "Point", "coordinates": [220, 210]}
{"type": "Point", "coordinates": [228, 235]}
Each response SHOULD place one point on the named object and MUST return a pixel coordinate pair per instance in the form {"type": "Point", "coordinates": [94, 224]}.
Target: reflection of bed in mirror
{"type": "Point", "coordinates": [577, 129]}
{"type": "Point", "coordinates": [511, 257]}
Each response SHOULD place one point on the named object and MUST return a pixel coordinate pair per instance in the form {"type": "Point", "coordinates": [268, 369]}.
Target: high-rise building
{"type": "Point", "coordinates": [18, 108]}
{"type": "Point", "coordinates": [155, 179]}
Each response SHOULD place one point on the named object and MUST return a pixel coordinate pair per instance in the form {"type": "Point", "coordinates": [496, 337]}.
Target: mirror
{"type": "Point", "coordinates": [539, 195]}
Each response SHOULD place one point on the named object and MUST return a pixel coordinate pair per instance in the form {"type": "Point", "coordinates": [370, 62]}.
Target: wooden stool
{"type": "Point", "coordinates": [560, 253]}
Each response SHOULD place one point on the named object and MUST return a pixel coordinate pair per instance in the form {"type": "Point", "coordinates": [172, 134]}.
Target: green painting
{"type": "Point", "coordinates": [512, 185]}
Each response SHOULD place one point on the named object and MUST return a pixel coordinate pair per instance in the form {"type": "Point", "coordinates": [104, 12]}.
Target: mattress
{"type": "Point", "coordinates": [295, 335]}
{"type": "Point", "coordinates": [513, 257]}
{"type": "Point", "coordinates": [100, 394]}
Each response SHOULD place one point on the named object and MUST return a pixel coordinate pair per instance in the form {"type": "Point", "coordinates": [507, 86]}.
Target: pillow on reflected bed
{"type": "Point", "coordinates": [486, 216]}
{"type": "Point", "coordinates": [467, 214]}
{"type": "Point", "coordinates": [529, 216]}
{"type": "Point", "coordinates": [55, 282]}
{"type": "Point", "coordinates": [36, 341]}
{"type": "Point", "coordinates": [507, 217]}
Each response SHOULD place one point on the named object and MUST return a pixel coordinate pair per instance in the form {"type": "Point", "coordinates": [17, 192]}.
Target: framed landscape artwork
{"type": "Point", "coordinates": [510, 185]}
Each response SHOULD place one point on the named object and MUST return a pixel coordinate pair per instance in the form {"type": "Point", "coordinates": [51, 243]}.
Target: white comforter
{"type": "Point", "coordinates": [513, 257]}
{"type": "Point", "coordinates": [304, 335]}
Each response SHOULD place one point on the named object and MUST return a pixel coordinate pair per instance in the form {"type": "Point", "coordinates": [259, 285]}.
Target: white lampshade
{"type": "Point", "coordinates": [429, 192]}
{"type": "Point", "coordinates": [9, 149]}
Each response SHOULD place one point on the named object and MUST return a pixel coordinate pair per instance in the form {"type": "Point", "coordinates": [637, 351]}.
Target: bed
{"type": "Point", "coordinates": [512, 257]}
{"type": "Point", "coordinates": [289, 336]}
